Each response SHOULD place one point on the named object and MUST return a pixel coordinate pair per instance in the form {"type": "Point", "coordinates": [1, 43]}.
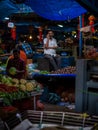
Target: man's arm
{"type": "Point", "coordinates": [46, 42]}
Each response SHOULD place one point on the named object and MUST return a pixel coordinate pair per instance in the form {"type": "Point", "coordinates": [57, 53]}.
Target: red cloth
{"type": "Point", "coordinates": [91, 23]}
{"type": "Point", "coordinates": [13, 33]}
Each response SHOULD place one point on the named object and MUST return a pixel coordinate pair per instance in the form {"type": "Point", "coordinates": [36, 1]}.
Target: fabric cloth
{"type": "Point", "coordinates": [22, 56]}
{"type": "Point", "coordinates": [27, 48]}
{"type": "Point", "coordinates": [52, 43]}
{"type": "Point", "coordinates": [54, 61]}
{"type": "Point", "coordinates": [19, 64]}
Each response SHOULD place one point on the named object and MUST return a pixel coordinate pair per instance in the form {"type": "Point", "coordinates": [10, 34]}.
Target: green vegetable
{"type": "Point", "coordinates": [12, 71]}
{"type": "Point", "coordinates": [6, 101]}
{"type": "Point", "coordinates": [44, 72]}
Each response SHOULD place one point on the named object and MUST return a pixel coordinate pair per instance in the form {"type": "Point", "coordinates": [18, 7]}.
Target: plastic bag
{"type": "Point", "coordinates": [24, 125]}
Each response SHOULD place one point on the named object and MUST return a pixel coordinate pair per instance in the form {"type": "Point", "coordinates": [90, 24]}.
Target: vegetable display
{"type": "Point", "coordinates": [13, 89]}
{"type": "Point", "coordinates": [65, 70]}
{"type": "Point", "coordinates": [10, 93]}
{"type": "Point", "coordinates": [20, 84]}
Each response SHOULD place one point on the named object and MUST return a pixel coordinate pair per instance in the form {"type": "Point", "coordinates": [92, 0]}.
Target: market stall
{"type": "Point", "coordinates": [18, 96]}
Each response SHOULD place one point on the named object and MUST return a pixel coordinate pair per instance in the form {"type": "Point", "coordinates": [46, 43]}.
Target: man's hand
{"type": "Point", "coordinates": [46, 45]}
{"type": "Point", "coordinates": [48, 37]}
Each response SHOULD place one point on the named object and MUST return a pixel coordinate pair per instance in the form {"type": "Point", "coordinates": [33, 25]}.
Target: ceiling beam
{"type": "Point", "coordinates": [90, 5]}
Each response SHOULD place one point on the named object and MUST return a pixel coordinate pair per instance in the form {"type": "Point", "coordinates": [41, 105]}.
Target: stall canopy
{"type": "Point", "coordinates": [56, 9]}
{"type": "Point", "coordinates": [9, 7]}
{"type": "Point", "coordinates": [49, 9]}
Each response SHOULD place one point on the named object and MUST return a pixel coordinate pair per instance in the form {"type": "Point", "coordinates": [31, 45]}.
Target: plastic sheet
{"type": "Point", "coordinates": [7, 8]}
{"type": "Point", "coordinates": [56, 9]}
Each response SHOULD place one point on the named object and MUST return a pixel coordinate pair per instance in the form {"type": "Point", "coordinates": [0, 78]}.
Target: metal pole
{"type": "Point", "coordinates": [80, 36]}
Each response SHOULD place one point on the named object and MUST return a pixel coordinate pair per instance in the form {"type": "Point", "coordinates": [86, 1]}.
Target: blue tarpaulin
{"type": "Point", "coordinates": [49, 9]}
{"type": "Point", "coordinates": [56, 9]}
{"type": "Point", "coordinates": [7, 8]}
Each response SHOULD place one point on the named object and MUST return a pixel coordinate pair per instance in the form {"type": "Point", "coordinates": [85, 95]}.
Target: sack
{"type": "Point", "coordinates": [24, 125]}
{"type": "Point", "coordinates": [53, 98]}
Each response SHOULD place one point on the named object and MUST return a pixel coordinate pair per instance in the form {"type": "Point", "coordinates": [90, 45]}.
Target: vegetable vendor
{"type": "Point", "coordinates": [22, 54]}
{"type": "Point", "coordinates": [16, 67]}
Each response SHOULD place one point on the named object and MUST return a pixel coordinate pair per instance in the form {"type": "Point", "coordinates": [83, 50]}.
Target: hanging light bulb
{"type": "Point", "coordinates": [61, 26]}
{"type": "Point", "coordinates": [30, 37]}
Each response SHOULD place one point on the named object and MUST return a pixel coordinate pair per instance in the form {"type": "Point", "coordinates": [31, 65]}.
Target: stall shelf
{"type": "Point", "coordinates": [59, 79]}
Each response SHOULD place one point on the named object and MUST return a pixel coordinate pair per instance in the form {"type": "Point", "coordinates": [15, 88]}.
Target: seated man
{"type": "Point", "coordinates": [18, 64]}
{"type": "Point", "coordinates": [50, 46]}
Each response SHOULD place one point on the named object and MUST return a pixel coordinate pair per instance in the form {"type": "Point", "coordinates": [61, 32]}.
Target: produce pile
{"type": "Point", "coordinates": [13, 89]}
{"type": "Point", "coordinates": [65, 70]}
{"type": "Point", "coordinates": [21, 84]}
{"type": "Point", "coordinates": [91, 53]}
{"type": "Point", "coordinates": [44, 72]}
{"type": "Point", "coordinates": [68, 96]}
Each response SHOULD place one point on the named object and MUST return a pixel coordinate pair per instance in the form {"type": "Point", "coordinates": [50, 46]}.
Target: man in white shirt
{"type": "Point", "coordinates": [50, 45]}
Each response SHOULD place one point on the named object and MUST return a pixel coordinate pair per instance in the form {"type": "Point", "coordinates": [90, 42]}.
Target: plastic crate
{"type": "Point", "coordinates": [67, 61]}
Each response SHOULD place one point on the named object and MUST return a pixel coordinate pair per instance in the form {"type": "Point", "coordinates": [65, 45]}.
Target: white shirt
{"type": "Point", "coordinates": [52, 43]}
